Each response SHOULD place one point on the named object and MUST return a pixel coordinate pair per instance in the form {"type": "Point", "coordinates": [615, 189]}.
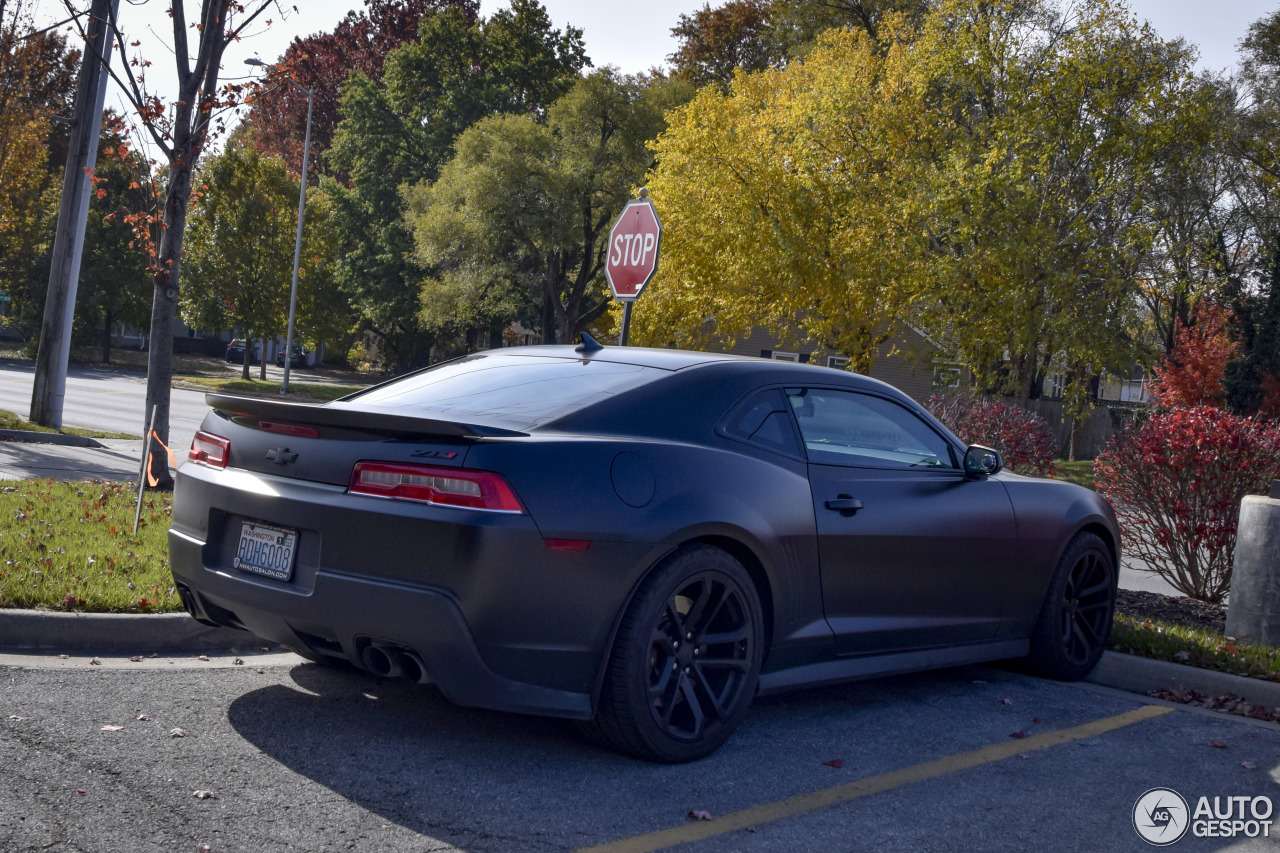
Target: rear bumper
{"type": "Point", "coordinates": [343, 614]}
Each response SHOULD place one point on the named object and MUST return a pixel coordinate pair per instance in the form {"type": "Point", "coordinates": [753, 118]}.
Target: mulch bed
{"type": "Point", "coordinates": [1173, 609]}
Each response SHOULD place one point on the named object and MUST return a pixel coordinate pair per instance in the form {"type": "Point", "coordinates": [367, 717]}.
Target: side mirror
{"type": "Point", "coordinates": [981, 461]}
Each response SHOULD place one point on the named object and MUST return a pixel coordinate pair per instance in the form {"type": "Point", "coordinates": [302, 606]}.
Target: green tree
{"type": "Point", "coordinates": [516, 225]}
{"type": "Point", "coordinates": [114, 282]}
{"type": "Point", "coordinates": [239, 252]}
{"type": "Point", "coordinates": [1253, 379]}
{"type": "Point", "coordinates": [402, 129]}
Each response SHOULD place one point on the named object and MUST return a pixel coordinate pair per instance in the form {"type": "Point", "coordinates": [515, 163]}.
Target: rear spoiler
{"type": "Point", "coordinates": [370, 420]}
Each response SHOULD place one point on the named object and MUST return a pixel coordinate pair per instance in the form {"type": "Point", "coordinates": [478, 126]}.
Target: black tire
{"type": "Point", "coordinates": [679, 681]}
{"type": "Point", "coordinates": [1075, 620]}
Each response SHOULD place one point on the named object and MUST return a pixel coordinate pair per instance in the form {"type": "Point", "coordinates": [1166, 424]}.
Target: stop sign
{"type": "Point", "coordinates": [632, 256]}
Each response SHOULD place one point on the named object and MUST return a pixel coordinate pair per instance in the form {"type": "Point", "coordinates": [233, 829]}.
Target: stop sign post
{"type": "Point", "coordinates": [631, 256]}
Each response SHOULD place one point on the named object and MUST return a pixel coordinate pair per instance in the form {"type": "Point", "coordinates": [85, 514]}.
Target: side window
{"type": "Point", "coordinates": [762, 419]}
{"type": "Point", "coordinates": [847, 428]}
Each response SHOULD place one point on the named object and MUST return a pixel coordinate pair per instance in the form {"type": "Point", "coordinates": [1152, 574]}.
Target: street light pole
{"type": "Point", "coordinates": [297, 241]}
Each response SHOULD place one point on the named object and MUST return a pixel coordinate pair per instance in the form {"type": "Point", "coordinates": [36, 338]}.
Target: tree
{"type": "Point", "coordinates": [114, 283]}
{"type": "Point", "coordinates": [37, 82]}
{"type": "Point", "coordinates": [1252, 380]}
{"type": "Point", "coordinates": [980, 176]}
{"type": "Point", "coordinates": [180, 132]}
{"type": "Point", "coordinates": [401, 131]}
{"type": "Point", "coordinates": [1192, 373]}
{"type": "Point", "coordinates": [714, 43]}
{"type": "Point", "coordinates": [239, 254]}
{"type": "Point", "coordinates": [516, 225]}
{"type": "Point", "coordinates": [321, 63]}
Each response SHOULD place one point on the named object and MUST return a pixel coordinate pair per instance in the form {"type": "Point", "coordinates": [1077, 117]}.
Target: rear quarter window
{"type": "Point", "coordinates": [519, 392]}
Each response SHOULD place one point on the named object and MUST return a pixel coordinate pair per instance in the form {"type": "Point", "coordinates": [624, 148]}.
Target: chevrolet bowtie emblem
{"type": "Point", "coordinates": [281, 456]}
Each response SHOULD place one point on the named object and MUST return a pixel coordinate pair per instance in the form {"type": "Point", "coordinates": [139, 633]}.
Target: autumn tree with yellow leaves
{"type": "Point", "coordinates": [982, 175]}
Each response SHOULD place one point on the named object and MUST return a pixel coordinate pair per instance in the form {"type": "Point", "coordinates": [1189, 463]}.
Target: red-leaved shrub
{"type": "Point", "coordinates": [1023, 438]}
{"type": "Point", "coordinates": [1176, 482]}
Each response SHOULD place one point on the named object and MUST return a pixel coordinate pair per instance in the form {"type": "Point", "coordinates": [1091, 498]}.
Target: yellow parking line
{"type": "Point", "coordinates": [873, 785]}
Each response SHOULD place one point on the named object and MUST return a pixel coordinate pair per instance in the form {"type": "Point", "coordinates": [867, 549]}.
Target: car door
{"type": "Point", "coordinates": [913, 553]}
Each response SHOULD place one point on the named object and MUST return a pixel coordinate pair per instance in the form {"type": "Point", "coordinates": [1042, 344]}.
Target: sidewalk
{"type": "Point", "coordinates": [112, 459]}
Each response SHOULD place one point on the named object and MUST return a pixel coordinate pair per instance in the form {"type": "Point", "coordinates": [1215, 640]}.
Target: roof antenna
{"type": "Point", "coordinates": [589, 344]}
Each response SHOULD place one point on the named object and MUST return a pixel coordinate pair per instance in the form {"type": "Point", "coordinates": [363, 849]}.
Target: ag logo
{"type": "Point", "coordinates": [1160, 816]}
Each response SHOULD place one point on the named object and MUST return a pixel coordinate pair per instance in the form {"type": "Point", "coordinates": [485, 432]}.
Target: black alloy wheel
{"type": "Point", "coordinates": [1075, 620]}
{"type": "Point", "coordinates": [686, 662]}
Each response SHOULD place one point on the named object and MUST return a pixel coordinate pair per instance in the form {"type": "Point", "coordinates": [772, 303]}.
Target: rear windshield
{"type": "Point", "coordinates": [519, 392]}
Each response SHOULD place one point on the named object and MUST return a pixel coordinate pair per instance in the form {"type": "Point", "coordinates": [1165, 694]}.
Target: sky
{"type": "Point", "coordinates": [633, 38]}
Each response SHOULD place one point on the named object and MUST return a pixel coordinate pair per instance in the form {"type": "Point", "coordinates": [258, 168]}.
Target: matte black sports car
{"type": "Point", "coordinates": [642, 540]}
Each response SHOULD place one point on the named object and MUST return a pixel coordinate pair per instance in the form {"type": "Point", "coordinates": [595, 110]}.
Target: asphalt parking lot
{"type": "Point", "coordinates": [298, 757]}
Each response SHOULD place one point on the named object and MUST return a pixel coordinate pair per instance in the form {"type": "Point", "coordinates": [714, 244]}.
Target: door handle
{"type": "Point", "coordinates": [845, 505]}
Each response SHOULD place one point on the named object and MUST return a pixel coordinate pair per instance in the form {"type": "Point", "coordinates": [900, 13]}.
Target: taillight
{"type": "Point", "coordinates": [209, 449]}
{"type": "Point", "coordinates": [440, 486]}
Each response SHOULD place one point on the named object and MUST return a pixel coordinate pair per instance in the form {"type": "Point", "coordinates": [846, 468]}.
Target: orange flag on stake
{"type": "Point", "coordinates": [151, 478]}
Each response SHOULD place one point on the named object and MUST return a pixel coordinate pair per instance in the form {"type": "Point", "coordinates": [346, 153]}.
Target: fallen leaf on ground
{"type": "Point", "coordinates": [837, 763]}
{"type": "Point", "coordinates": [177, 733]}
{"type": "Point", "coordinates": [1024, 756]}
{"type": "Point", "coordinates": [204, 658]}
{"type": "Point", "coordinates": [700, 814]}
{"type": "Point", "coordinates": [14, 718]}
{"type": "Point", "coordinates": [1182, 657]}
{"type": "Point", "coordinates": [1249, 765]}
{"type": "Point", "coordinates": [1217, 744]}
{"type": "Point", "coordinates": [237, 662]}
{"type": "Point", "coordinates": [1018, 735]}
{"type": "Point", "coordinates": [113, 728]}
{"type": "Point", "coordinates": [63, 657]}
{"type": "Point", "coordinates": [135, 659]}
{"type": "Point", "coordinates": [79, 790]}
{"type": "Point", "coordinates": [143, 718]}
{"type": "Point", "coordinates": [95, 662]}
{"type": "Point", "coordinates": [1035, 720]}
{"type": "Point", "coordinates": [204, 795]}
{"type": "Point", "coordinates": [1006, 701]}
{"type": "Point", "coordinates": [204, 848]}
{"type": "Point", "coordinates": [262, 672]}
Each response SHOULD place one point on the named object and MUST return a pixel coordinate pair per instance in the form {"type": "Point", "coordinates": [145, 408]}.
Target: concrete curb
{"type": "Point", "coordinates": [1140, 675]}
{"type": "Point", "coordinates": [135, 633]}
{"type": "Point", "coordinates": [49, 437]}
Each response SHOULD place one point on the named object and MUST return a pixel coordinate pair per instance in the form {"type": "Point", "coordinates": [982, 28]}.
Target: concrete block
{"type": "Point", "coordinates": [1253, 614]}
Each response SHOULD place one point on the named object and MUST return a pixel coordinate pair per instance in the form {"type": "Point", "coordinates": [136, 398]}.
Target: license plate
{"type": "Point", "coordinates": [266, 550]}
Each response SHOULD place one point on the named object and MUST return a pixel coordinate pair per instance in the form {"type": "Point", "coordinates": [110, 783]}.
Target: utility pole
{"type": "Point", "coordinates": [64, 275]}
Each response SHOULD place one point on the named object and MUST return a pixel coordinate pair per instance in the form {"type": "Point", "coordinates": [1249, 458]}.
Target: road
{"type": "Point", "coordinates": [104, 399]}
{"type": "Point", "coordinates": [300, 757]}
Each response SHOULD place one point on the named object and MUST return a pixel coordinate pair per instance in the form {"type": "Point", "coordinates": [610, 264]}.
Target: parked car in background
{"type": "Point", "coordinates": [235, 352]}
{"type": "Point", "coordinates": [642, 540]}
{"type": "Point", "coordinates": [299, 358]}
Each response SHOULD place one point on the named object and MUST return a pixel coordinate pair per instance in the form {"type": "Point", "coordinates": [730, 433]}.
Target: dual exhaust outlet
{"type": "Point", "coordinates": [391, 661]}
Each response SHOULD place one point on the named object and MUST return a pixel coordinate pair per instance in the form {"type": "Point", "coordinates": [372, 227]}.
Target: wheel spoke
{"type": "Point", "coordinates": [695, 706]}
{"type": "Point", "coordinates": [705, 621]}
{"type": "Point", "coordinates": [693, 618]}
{"type": "Point", "coordinates": [732, 636]}
{"type": "Point", "coordinates": [712, 698]}
{"type": "Point", "coordinates": [656, 690]}
{"type": "Point", "coordinates": [723, 663]}
{"type": "Point", "coordinates": [1101, 586]}
{"type": "Point", "coordinates": [669, 696]}
{"type": "Point", "coordinates": [1078, 635]}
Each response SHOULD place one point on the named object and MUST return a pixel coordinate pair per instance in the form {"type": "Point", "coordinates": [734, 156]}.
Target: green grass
{"type": "Point", "coordinates": [8, 420]}
{"type": "Point", "coordinates": [1180, 644]}
{"type": "Point", "coordinates": [301, 392]}
{"type": "Point", "coordinates": [1079, 472]}
{"type": "Point", "coordinates": [68, 546]}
